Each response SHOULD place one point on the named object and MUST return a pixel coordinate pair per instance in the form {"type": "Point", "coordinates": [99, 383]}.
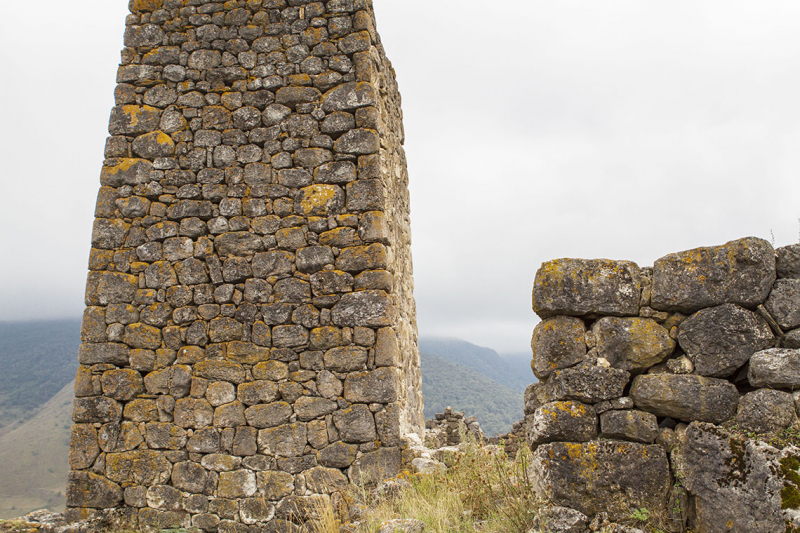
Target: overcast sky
{"type": "Point", "coordinates": [534, 130]}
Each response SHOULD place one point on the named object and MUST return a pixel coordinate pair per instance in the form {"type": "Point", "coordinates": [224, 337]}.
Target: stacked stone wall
{"type": "Point", "coordinates": [669, 392]}
{"type": "Point", "coordinates": [249, 342]}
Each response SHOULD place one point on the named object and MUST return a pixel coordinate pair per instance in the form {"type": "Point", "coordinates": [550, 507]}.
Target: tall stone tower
{"type": "Point", "coordinates": [249, 342]}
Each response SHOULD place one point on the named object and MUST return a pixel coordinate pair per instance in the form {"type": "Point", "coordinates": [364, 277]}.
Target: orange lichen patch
{"type": "Point", "coordinates": [123, 166]}
{"type": "Point", "coordinates": [319, 199]}
{"type": "Point", "coordinates": [147, 5]}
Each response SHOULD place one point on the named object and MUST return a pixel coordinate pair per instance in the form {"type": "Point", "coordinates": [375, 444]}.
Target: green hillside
{"type": "Point", "coordinates": [445, 384]}
{"type": "Point", "coordinates": [482, 360]}
{"type": "Point", "coordinates": [33, 459]}
{"type": "Point", "coordinates": [38, 359]}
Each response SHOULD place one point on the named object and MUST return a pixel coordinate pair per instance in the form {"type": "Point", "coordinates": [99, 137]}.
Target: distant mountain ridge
{"type": "Point", "coordinates": [482, 360]}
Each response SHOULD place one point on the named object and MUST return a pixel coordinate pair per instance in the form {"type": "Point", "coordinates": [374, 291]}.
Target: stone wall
{"type": "Point", "coordinates": [249, 342]}
{"type": "Point", "coordinates": [670, 389]}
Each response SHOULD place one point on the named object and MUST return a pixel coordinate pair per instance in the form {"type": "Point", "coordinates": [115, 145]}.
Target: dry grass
{"type": "Point", "coordinates": [483, 491]}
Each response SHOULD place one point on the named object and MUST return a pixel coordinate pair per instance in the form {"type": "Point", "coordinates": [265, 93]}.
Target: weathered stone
{"type": "Point", "coordinates": [740, 272]}
{"type": "Point", "coordinates": [602, 476]}
{"type": "Point", "coordinates": [164, 498]}
{"type": "Point", "coordinates": [345, 359]}
{"type": "Point", "coordinates": [581, 287]}
{"type": "Point", "coordinates": [561, 520]}
{"type": "Point", "coordinates": [85, 489]}
{"type": "Point", "coordinates": [106, 353]}
{"type": "Point", "coordinates": [632, 343]}
{"type": "Point", "coordinates": [358, 258]}
{"type": "Point", "coordinates": [374, 467]}
{"type": "Point", "coordinates": [788, 261]}
{"type": "Point", "coordinates": [189, 477]}
{"type": "Point", "coordinates": [355, 424]}
{"type": "Point", "coordinates": [364, 308]}
{"type": "Point", "coordinates": [275, 485]}
{"type": "Point", "coordinates": [320, 200]}
{"type": "Point", "coordinates": [765, 410]}
{"type": "Point", "coordinates": [783, 303]}
{"type": "Point", "coordinates": [256, 510]}
{"type": "Point", "coordinates": [165, 436]}
{"type": "Point", "coordinates": [686, 398]}
{"type": "Point", "coordinates": [338, 455]}
{"type": "Point", "coordinates": [358, 142]}
{"type": "Point", "coordinates": [636, 426]}
{"type": "Point", "coordinates": [734, 482]}
{"type": "Point", "coordinates": [236, 484]}
{"type": "Point", "coordinates": [308, 408]}
{"type": "Point", "coordinates": [377, 386]}
{"type": "Point", "coordinates": [219, 369]}
{"type": "Point", "coordinates": [288, 440]}
{"type": "Point", "coordinates": [96, 409]}
{"type": "Point", "coordinates": [721, 339]}
{"type": "Point", "coordinates": [83, 446]}
{"type": "Point", "coordinates": [116, 437]}
{"type": "Point", "coordinates": [557, 343]}
{"type": "Point", "coordinates": [140, 467]}
{"type": "Point", "coordinates": [349, 96]}
{"type": "Point", "coordinates": [256, 392]}
{"type": "Point", "coordinates": [562, 421]}
{"type": "Point", "coordinates": [777, 368]}
{"type": "Point", "coordinates": [122, 384]}
{"type": "Point", "coordinates": [268, 415]}
{"type": "Point", "coordinates": [321, 480]}
{"type": "Point", "coordinates": [193, 413]}
{"type": "Point", "coordinates": [239, 243]}
{"type": "Point", "coordinates": [587, 383]}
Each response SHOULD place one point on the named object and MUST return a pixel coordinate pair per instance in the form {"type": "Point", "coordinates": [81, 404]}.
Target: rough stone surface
{"type": "Point", "coordinates": [557, 343]}
{"type": "Point", "coordinates": [734, 483]}
{"type": "Point", "coordinates": [250, 302]}
{"type": "Point", "coordinates": [587, 384]}
{"type": "Point", "coordinates": [636, 426]}
{"type": "Point", "coordinates": [740, 272]}
{"type": "Point", "coordinates": [765, 410]}
{"type": "Point", "coordinates": [783, 303]}
{"type": "Point", "coordinates": [561, 520]}
{"type": "Point", "coordinates": [632, 343]}
{"type": "Point", "coordinates": [602, 476]}
{"type": "Point", "coordinates": [686, 398]}
{"type": "Point", "coordinates": [562, 421]}
{"type": "Point", "coordinates": [580, 287]}
{"type": "Point", "coordinates": [777, 368]}
{"type": "Point", "coordinates": [719, 340]}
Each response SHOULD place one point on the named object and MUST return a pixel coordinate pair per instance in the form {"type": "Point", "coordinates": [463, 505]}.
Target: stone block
{"type": "Point", "coordinates": [558, 342]}
{"type": "Point", "coordinates": [636, 426]}
{"type": "Point", "coordinates": [602, 476]}
{"type": "Point", "coordinates": [740, 272]}
{"type": "Point", "coordinates": [685, 397]}
{"type": "Point", "coordinates": [719, 340]}
{"type": "Point", "coordinates": [562, 421]}
{"type": "Point", "coordinates": [632, 343]}
{"type": "Point", "coordinates": [777, 368]}
{"type": "Point", "coordinates": [583, 287]}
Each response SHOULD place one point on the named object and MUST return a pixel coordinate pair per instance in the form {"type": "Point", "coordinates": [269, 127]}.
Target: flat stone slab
{"type": "Point", "coordinates": [740, 272]}
{"type": "Point", "coordinates": [602, 476]}
{"type": "Point", "coordinates": [685, 397]}
{"type": "Point", "coordinates": [587, 287]}
{"type": "Point", "coordinates": [633, 425]}
{"type": "Point", "coordinates": [721, 339]}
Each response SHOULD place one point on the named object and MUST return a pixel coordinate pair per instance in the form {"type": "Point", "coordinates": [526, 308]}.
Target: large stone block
{"type": "Point", "coordinates": [85, 489]}
{"type": "Point", "coordinates": [587, 287]}
{"type": "Point", "coordinates": [765, 410]}
{"type": "Point", "coordinates": [632, 343]}
{"type": "Point", "coordinates": [602, 476]}
{"type": "Point", "coordinates": [783, 303]}
{"type": "Point", "coordinates": [735, 483]}
{"type": "Point", "coordinates": [562, 421]}
{"type": "Point", "coordinates": [685, 397]}
{"type": "Point", "coordinates": [721, 339]}
{"type": "Point", "coordinates": [587, 383]}
{"type": "Point", "coordinates": [740, 272]}
{"type": "Point", "coordinates": [557, 343]}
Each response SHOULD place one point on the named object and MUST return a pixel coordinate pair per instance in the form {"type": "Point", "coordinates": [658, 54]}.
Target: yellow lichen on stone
{"type": "Point", "coordinates": [318, 199]}
{"type": "Point", "coordinates": [147, 5]}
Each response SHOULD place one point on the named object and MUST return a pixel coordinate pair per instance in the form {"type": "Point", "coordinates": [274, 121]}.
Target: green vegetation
{"type": "Point", "coordinates": [514, 371]}
{"type": "Point", "coordinates": [38, 359]}
{"type": "Point", "coordinates": [484, 490]}
{"type": "Point", "coordinates": [445, 384]}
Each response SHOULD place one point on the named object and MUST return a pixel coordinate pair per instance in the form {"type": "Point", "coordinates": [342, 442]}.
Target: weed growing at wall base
{"type": "Point", "coordinates": [484, 490]}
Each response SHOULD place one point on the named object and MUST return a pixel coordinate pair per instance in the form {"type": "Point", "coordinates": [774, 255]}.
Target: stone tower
{"type": "Point", "coordinates": [249, 341]}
